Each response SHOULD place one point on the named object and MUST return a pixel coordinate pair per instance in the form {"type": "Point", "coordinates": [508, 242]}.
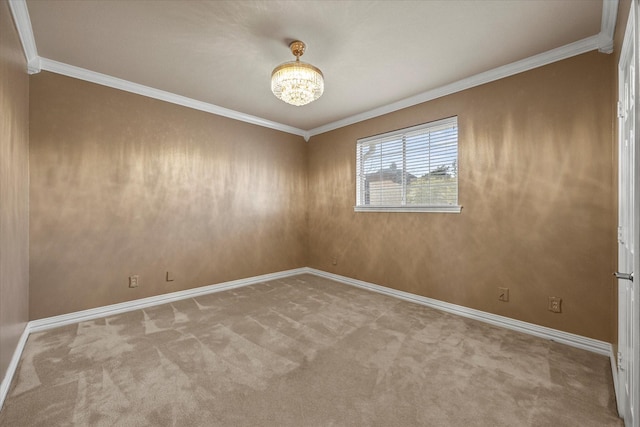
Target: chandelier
{"type": "Point", "coordinates": [295, 82]}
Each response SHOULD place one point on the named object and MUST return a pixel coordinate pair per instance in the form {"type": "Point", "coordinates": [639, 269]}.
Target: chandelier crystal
{"type": "Point", "coordinates": [296, 82]}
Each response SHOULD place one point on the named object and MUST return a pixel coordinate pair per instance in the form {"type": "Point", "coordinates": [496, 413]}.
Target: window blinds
{"type": "Point", "coordinates": [410, 168]}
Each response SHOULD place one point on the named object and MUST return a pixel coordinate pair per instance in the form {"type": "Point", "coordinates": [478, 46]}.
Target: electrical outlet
{"type": "Point", "coordinates": [555, 304]}
{"type": "Point", "coordinates": [134, 281]}
{"type": "Point", "coordinates": [334, 261]}
{"type": "Point", "coordinates": [169, 277]}
{"type": "Point", "coordinates": [503, 294]}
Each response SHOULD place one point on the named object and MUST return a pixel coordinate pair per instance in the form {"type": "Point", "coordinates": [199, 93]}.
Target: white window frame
{"type": "Point", "coordinates": [400, 134]}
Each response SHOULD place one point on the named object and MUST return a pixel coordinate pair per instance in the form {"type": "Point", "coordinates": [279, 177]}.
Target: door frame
{"type": "Point", "coordinates": [634, 392]}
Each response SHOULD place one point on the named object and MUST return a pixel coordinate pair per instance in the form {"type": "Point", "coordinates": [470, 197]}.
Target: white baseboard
{"type": "Point", "coordinates": [573, 340]}
{"type": "Point", "coordinates": [616, 383]}
{"type": "Point", "coordinates": [110, 310]}
{"type": "Point", "coordinates": [13, 365]}
{"type": "Point", "coordinates": [590, 344]}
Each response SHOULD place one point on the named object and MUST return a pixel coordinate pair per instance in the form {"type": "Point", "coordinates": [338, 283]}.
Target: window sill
{"type": "Point", "coordinates": [434, 209]}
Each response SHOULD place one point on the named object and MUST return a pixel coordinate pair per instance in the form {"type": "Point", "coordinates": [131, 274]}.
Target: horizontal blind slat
{"type": "Point", "coordinates": [411, 167]}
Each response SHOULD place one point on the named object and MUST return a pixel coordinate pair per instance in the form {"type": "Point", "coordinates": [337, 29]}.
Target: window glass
{"type": "Point", "coordinates": [410, 169]}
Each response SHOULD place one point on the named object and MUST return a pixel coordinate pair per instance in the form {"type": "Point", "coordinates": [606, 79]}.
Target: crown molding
{"type": "Point", "coordinates": [608, 25]}
{"type": "Point", "coordinates": [23, 24]}
{"type": "Point", "coordinates": [116, 83]}
{"type": "Point", "coordinates": [545, 58]}
{"type": "Point", "coordinates": [602, 42]}
{"type": "Point", "coordinates": [35, 64]}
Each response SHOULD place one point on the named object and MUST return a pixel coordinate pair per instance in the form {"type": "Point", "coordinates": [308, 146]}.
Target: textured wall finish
{"type": "Point", "coordinates": [14, 189]}
{"type": "Point", "coordinates": [535, 181]}
{"type": "Point", "coordinates": [122, 185]}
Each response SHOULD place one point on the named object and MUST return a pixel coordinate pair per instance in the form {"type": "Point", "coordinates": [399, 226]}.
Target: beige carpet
{"type": "Point", "coordinates": [303, 351]}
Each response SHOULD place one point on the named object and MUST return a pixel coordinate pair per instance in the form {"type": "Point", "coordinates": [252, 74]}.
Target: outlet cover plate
{"type": "Point", "coordinates": [134, 281]}
{"type": "Point", "coordinates": [503, 294]}
{"type": "Point", "coordinates": [555, 304]}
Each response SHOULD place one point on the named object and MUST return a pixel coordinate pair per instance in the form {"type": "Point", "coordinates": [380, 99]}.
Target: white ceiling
{"type": "Point", "coordinates": [372, 53]}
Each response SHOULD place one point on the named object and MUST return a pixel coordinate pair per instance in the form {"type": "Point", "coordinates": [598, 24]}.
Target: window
{"type": "Point", "coordinates": [413, 169]}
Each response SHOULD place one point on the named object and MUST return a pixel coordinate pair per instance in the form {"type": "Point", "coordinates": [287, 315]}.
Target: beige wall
{"type": "Point", "coordinates": [14, 187]}
{"type": "Point", "coordinates": [122, 184]}
{"type": "Point", "coordinates": [536, 183]}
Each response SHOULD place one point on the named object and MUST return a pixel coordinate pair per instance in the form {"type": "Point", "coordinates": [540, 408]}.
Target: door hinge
{"type": "Point", "coordinates": [620, 367]}
{"type": "Point", "coordinates": [620, 110]}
